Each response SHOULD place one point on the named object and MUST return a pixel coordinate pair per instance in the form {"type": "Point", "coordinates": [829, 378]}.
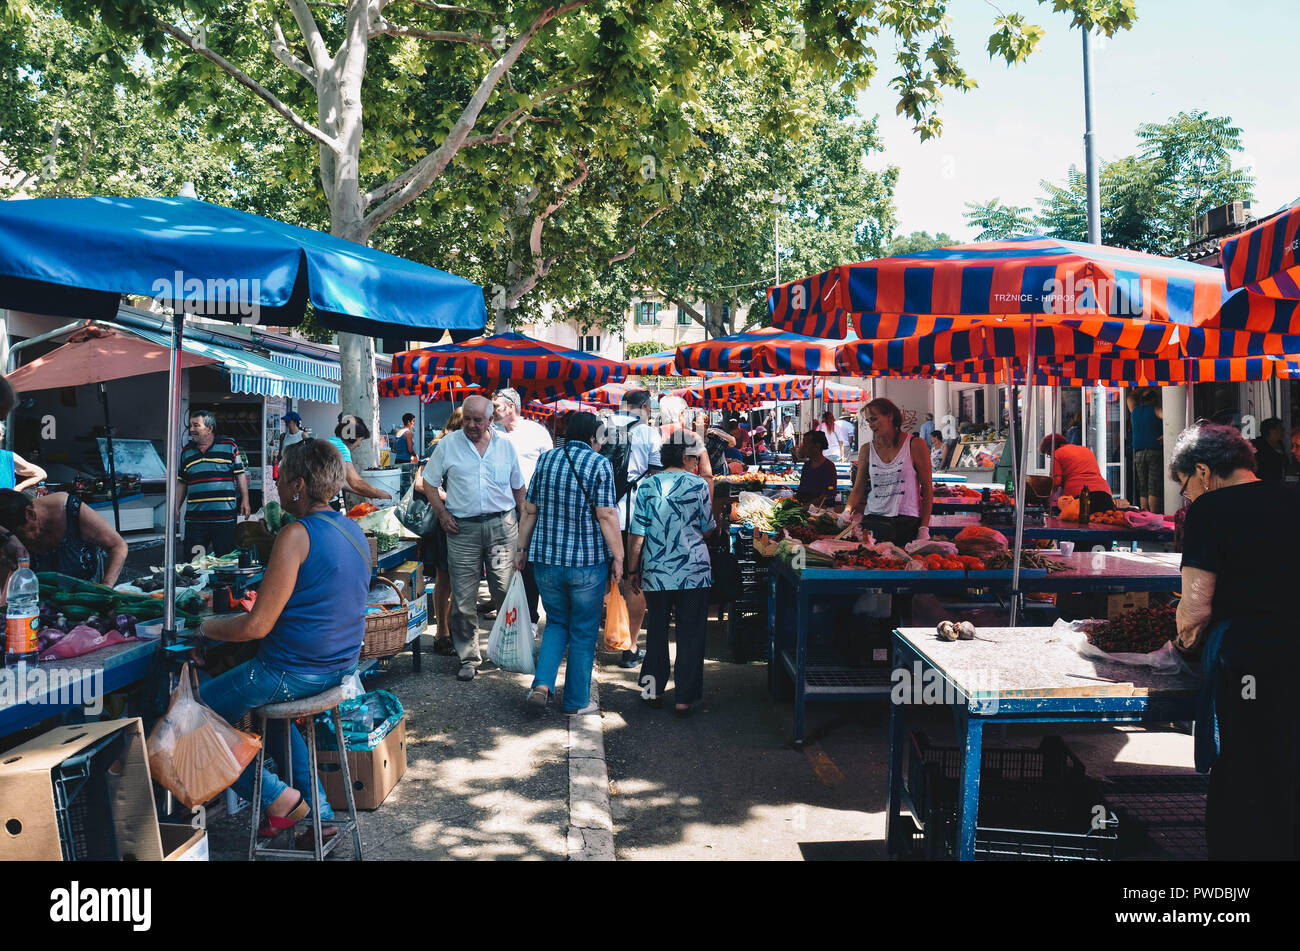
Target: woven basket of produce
{"type": "Point", "coordinates": [385, 630]}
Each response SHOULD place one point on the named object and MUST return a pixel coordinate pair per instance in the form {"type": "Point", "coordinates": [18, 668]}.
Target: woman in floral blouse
{"type": "Point", "coordinates": [670, 562]}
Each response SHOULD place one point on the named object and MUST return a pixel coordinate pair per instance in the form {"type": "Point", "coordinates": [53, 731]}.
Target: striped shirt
{"type": "Point", "coordinates": [211, 481]}
{"type": "Point", "coordinates": [566, 532]}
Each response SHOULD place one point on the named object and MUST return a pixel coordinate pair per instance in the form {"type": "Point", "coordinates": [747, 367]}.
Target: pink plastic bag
{"type": "Point", "coordinates": [82, 639]}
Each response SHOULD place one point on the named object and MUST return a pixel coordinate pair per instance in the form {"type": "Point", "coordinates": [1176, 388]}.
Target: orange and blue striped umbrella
{"type": "Point", "coordinates": [609, 395]}
{"type": "Point", "coordinates": [660, 364]}
{"type": "Point", "coordinates": [535, 409]}
{"type": "Point", "coordinates": [1019, 276]}
{"type": "Point", "coordinates": [764, 350]}
{"type": "Point", "coordinates": [535, 368]}
{"type": "Point", "coordinates": [739, 392]}
{"type": "Point", "coordinates": [428, 388]}
{"type": "Point", "coordinates": [1266, 259]}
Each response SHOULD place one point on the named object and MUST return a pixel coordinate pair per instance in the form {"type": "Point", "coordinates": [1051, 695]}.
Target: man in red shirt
{"type": "Point", "coordinates": [1076, 467]}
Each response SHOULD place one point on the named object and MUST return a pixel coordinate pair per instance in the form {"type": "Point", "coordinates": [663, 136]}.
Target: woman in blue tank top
{"type": "Point", "coordinates": [310, 618]}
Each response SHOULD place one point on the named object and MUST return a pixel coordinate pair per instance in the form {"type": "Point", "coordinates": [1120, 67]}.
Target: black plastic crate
{"type": "Point", "coordinates": [1034, 803]}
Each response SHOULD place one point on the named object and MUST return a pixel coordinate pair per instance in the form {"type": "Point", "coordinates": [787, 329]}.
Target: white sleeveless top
{"type": "Point", "coordinates": [894, 486]}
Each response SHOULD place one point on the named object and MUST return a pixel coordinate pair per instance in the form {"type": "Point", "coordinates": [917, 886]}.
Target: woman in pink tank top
{"type": "Point", "coordinates": [894, 488]}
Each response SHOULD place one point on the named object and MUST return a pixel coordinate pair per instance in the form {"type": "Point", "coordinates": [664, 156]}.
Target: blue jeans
{"type": "Point", "coordinates": [572, 598]}
{"type": "Point", "coordinates": [251, 685]}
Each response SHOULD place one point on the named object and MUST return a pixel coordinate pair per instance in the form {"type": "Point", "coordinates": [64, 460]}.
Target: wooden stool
{"type": "Point", "coordinates": [291, 710]}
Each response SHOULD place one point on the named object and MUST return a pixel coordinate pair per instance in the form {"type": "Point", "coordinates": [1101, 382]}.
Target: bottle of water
{"type": "Point", "coordinates": [22, 600]}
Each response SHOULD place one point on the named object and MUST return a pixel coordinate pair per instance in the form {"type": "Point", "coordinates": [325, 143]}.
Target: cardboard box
{"type": "Point", "coordinates": [183, 843]}
{"type": "Point", "coordinates": [110, 817]}
{"type": "Point", "coordinates": [1117, 604]}
{"type": "Point", "coordinates": [374, 772]}
{"type": "Point", "coordinates": [409, 576]}
{"type": "Point", "coordinates": [417, 618]}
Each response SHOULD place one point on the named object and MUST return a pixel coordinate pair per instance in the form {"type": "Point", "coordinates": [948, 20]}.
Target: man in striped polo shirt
{"type": "Point", "coordinates": [212, 476]}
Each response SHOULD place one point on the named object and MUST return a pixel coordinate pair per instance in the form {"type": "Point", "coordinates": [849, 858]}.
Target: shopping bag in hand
{"type": "Point", "coordinates": [511, 645]}
{"type": "Point", "coordinates": [618, 633]}
{"type": "Point", "coordinates": [193, 752]}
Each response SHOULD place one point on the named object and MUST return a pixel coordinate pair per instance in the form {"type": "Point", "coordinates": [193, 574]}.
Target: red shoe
{"type": "Point", "coordinates": [274, 825]}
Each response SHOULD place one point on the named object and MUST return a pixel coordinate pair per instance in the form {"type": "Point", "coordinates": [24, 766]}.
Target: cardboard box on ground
{"type": "Point", "coordinates": [97, 776]}
{"type": "Point", "coordinates": [374, 772]}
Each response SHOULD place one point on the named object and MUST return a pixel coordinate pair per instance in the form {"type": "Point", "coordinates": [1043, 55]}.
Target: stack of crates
{"type": "Point", "coordinates": [1033, 803]}
{"type": "Point", "coordinates": [747, 635]}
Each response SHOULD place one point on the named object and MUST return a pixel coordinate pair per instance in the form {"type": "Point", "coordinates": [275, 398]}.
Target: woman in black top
{"type": "Point", "coordinates": [1239, 568]}
{"type": "Point", "coordinates": [62, 535]}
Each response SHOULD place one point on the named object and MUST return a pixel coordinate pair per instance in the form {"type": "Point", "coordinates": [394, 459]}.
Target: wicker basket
{"type": "Point", "coordinates": [385, 630]}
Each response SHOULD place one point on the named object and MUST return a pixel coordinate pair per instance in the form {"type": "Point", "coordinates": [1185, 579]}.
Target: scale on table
{"type": "Point", "coordinates": [1006, 515]}
{"type": "Point", "coordinates": [230, 582]}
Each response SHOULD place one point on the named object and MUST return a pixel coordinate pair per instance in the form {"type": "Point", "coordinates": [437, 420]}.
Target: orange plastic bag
{"type": "Point", "coordinates": [193, 752]}
{"type": "Point", "coordinates": [618, 633]}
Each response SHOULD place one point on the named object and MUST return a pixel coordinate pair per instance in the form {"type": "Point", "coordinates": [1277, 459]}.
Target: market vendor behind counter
{"type": "Point", "coordinates": [60, 534]}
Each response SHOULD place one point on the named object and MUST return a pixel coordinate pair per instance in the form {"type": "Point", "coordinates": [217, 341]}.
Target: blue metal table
{"type": "Point", "coordinates": [54, 687]}
{"type": "Point", "coordinates": [791, 594]}
{"type": "Point", "coordinates": [1023, 675]}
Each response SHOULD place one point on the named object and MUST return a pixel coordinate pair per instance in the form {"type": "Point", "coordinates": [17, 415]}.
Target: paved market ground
{"type": "Point", "coordinates": [487, 781]}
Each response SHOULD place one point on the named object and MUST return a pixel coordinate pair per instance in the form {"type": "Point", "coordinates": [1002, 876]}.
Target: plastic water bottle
{"type": "Point", "coordinates": [22, 597]}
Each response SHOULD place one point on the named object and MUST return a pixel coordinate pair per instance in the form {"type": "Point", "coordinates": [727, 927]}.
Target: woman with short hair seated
{"type": "Point", "coordinates": [310, 616]}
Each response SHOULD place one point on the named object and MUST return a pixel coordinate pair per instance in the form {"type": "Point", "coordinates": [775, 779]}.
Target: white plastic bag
{"type": "Point", "coordinates": [511, 645]}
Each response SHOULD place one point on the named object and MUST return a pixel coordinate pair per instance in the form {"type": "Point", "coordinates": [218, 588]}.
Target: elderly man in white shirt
{"type": "Point", "coordinates": [530, 440]}
{"type": "Point", "coordinates": [480, 473]}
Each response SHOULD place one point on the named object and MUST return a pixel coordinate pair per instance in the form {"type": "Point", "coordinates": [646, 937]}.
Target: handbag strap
{"type": "Point", "coordinates": [363, 552]}
{"type": "Point", "coordinates": [591, 506]}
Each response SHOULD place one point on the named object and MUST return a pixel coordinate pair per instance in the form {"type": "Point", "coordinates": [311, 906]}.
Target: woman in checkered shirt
{"type": "Point", "coordinates": [570, 533]}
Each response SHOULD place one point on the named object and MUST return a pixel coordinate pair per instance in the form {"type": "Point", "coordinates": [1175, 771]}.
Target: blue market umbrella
{"type": "Point", "coordinates": [75, 257]}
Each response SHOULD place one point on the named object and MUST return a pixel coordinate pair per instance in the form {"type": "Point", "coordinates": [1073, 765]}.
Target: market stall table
{"type": "Point", "coordinates": [1022, 675]}
{"type": "Point", "coordinates": [817, 677]}
{"type": "Point", "coordinates": [51, 688]}
{"type": "Point", "coordinates": [1110, 572]}
{"type": "Point", "coordinates": [1053, 529]}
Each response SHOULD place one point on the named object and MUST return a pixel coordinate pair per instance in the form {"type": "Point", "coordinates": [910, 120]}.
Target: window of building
{"type": "Point", "coordinates": [589, 343]}
{"type": "Point", "coordinates": [683, 318]}
{"type": "Point", "coordinates": [647, 312]}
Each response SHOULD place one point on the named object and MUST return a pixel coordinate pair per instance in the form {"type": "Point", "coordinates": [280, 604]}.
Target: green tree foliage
{"type": "Point", "coordinates": [1148, 200]}
{"type": "Point", "coordinates": [392, 94]}
{"type": "Point", "coordinates": [996, 221]}
{"type": "Point", "coordinates": [916, 242]}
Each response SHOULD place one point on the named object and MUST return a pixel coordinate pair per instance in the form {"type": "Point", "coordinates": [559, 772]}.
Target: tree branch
{"type": "Point", "coordinates": [624, 255]}
{"type": "Point", "coordinates": [401, 190]}
{"type": "Point", "coordinates": [499, 136]}
{"type": "Point", "coordinates": [310, 29]}
{"type": "Point", "coordinates": [449, 8]}
{"type": "Point", "coordinates": [690, 311]}
{"type": "Point", "coordinates": [247, 82]}
{"type": "Point", "coordinates": [383, 27]}
{"type": "Point", "coordinates": [280, 50]}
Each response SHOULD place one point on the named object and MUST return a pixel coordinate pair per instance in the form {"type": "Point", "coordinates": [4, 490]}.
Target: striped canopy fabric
{"type": "Point", "coordinates": [609, 395]}
{"type": "Point", "coordinates": [537, 369]}
{"type": "Point", "coordinates": [764, 350]}
{"type": "Point", "coordinates": [741, 392]}
{"type": "Point", "coordinates": [1266, 259]}
{"type": "Point", "coordinates": [660, 364]}
{"type": "Point", "coordinates": [1019, 276]}
{"type": "Point", "coordinates": [536, 409]}
{"type": "Point", "coordinates": [428, 388]}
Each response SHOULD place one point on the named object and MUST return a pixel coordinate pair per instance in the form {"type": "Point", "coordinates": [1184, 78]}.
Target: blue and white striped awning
{"type": "Point", "coordinates": [252, 373]}
{"type": "Point", "coordinates": [324, 369]}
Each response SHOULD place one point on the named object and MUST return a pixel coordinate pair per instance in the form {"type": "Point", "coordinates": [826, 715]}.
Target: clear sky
{"type": "Point", "coordinates": [1025, 123]}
